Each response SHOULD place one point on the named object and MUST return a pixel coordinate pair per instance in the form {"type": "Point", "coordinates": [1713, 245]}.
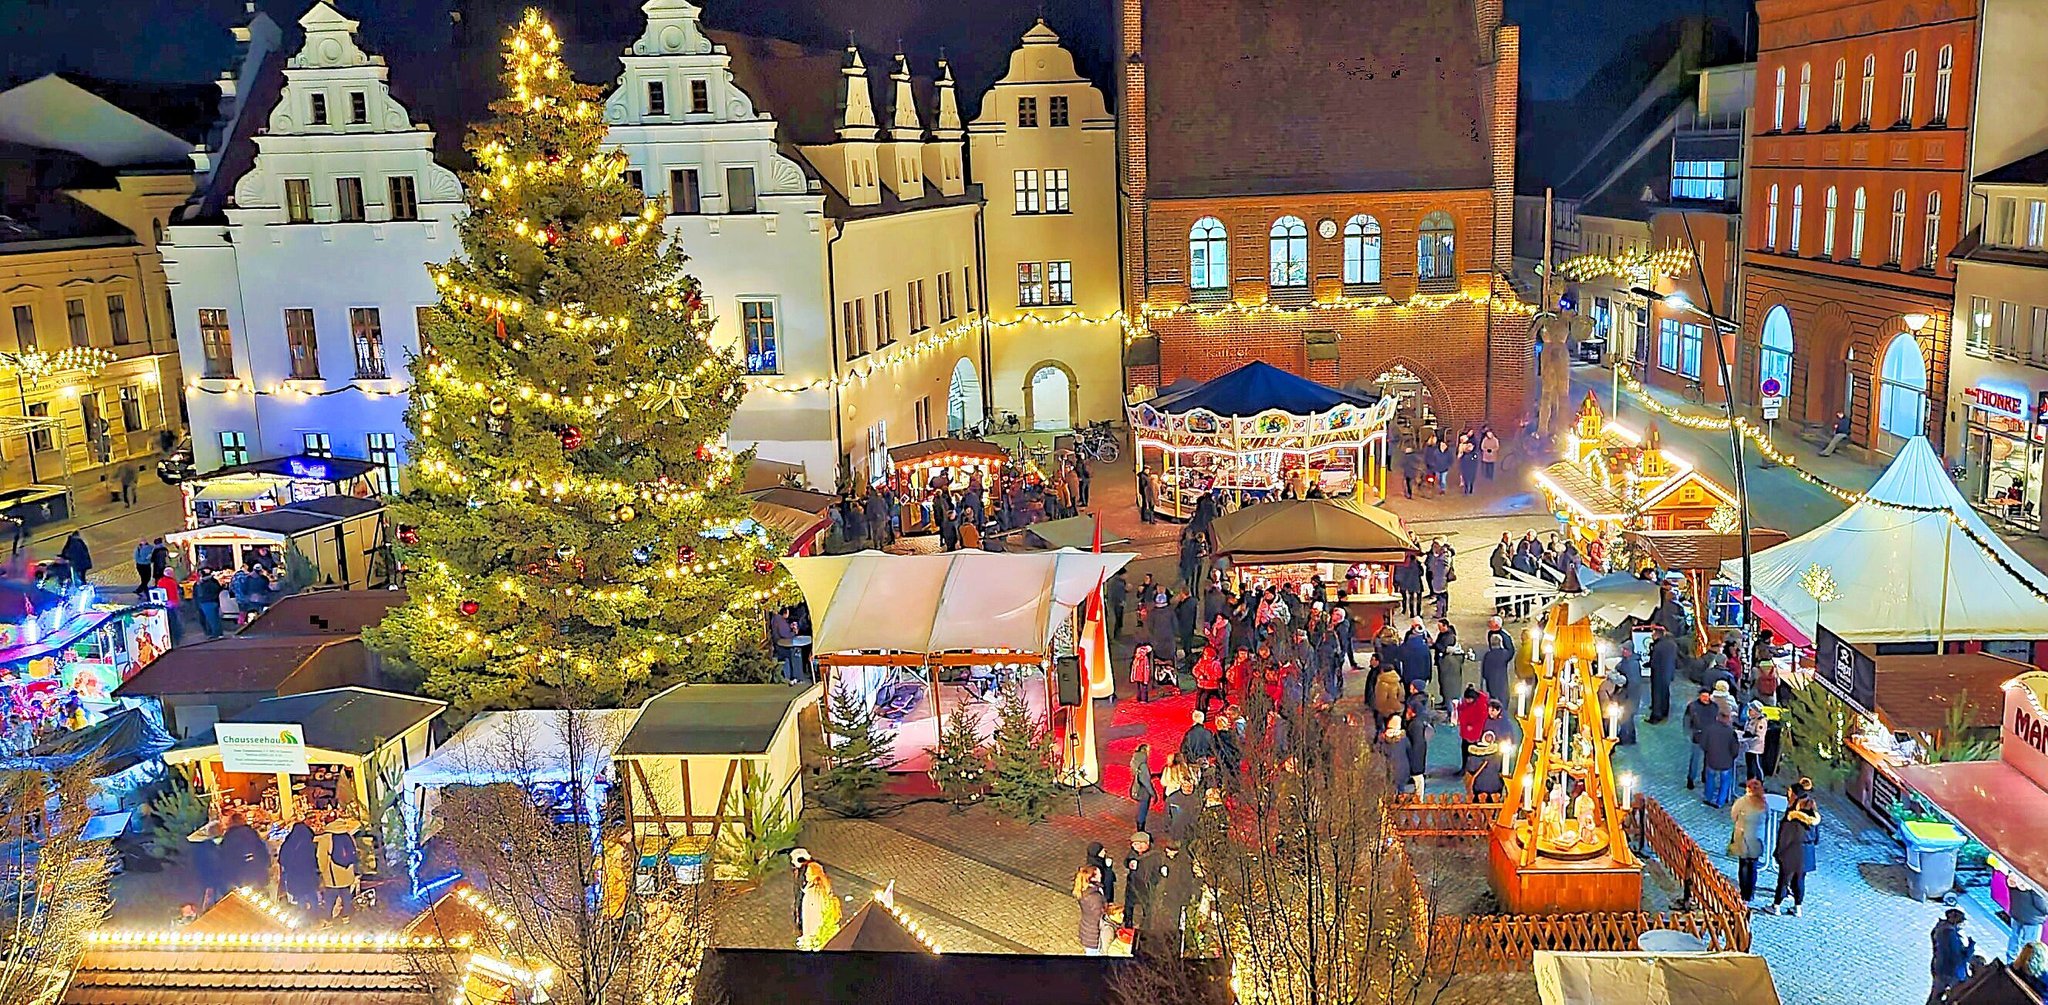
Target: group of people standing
{"type": "Point", "coordinates": [962, 513]}
{"type": "Point", "coordinates": [317, 865]}
{"type": "Point", "coordinates": [1476, 452]}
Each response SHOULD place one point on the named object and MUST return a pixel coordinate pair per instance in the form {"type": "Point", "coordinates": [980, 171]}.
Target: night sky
{"type": "Point", "coordinates": [1564, 40]}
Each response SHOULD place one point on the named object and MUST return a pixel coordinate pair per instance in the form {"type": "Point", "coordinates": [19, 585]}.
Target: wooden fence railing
{"type": "Point", "coordinates": [1712, 911]}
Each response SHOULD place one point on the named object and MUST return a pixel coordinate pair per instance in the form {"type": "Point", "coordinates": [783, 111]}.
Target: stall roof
{"type": "Point", "coordinates": [795, 514]}
{"type": "Point", "coordinates": [303, 467]}
{"type": "Point", "coordinates": [1915, 692]}
{"type": "Point", "coordinates": [714, 718]}
{"type": "Point", "coordinates": [1258, 387]}
{"type": "Point", "coordinates": [1076, 532]}
{"type": "Point", "coordinates": [285, 521]}
{"type": "Point", "coordinates": [1702, 550]}
{"type": "Point", "coordinates": [347, 720]}
{"type": "Point", "coordinates": [324, 612]}
{"type": "Point", "coordinates": [529, 746]}
{"type": "Point", "coordinates": [2000, 807]}
{"type": "Point", "coordinates": [1615, 597]}
{"type": "Point", "coordinates": [945, 445]}
{"type": "Point", "coordinates": [116, 743]}
{"type": "Point", "coordinates": [1635, 978]}
{"type": "Point", "coordinates": [1312, 530]}
{"type": "Point", "coordinates": [875, 929]}
{"type": "Point", "coordinates": [781, 976]}
{"type": "Point", "coordinates": [243, 663]}
{"type": "Point", "coordinates": [1894, 566]}
{"type": "Point", "coordinates": [1594, 499]}
{"type": "Point", "coordinates": [955, 602]}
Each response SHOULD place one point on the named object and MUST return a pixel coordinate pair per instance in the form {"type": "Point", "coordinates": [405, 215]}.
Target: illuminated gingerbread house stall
{"type": "Point", "coordinates": [1558, 846]}
{"type": "Point", "coordinates": [1614, 479]}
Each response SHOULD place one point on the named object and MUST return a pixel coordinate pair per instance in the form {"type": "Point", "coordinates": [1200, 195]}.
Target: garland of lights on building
{"type": "Point", "coordinates": [1636, 267]}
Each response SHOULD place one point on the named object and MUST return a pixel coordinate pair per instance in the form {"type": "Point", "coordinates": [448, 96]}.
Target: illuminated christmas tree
{"type": "Point", "coordinates": [570, 520]}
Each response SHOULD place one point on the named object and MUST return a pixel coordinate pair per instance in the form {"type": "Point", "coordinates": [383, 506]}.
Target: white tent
{"type": "Point", "coordinates": [955, 602]}
{"type": "Point", "coordinates": [1649, 979]}
{"type": "Point", "coordinates": [527, 747]}
{"type": "Point", "coordinates": [1904, 575]}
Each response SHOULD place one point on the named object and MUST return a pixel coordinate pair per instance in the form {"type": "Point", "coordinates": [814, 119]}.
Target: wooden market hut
{"type": "Point", "coordinates": [354, 737]}
{"type": "Point", "coordinates": [686, 764]}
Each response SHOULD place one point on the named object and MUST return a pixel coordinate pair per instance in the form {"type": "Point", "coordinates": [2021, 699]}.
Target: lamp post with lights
{"type": "Point", "coordinates": [30, 368]}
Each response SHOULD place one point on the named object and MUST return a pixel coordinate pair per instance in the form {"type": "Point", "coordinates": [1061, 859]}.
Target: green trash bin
{"type": "Point", "coordinates": [1931, 857]}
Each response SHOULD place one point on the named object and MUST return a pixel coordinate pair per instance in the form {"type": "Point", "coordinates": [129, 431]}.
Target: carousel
{"type": "Point", "coordinates": [1257, 432]}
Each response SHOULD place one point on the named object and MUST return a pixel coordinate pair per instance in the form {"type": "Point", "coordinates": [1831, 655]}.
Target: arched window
{"type": "Point", "coordinates": [1906, 76]}
{"type": "Point", "coordinates": [1841, 82]}
{"type": "Point", "coordinates": [1902, 389]}
{"type": "Point", "coordinates": [1778, 104]}
{"type": "Point", "coordinates": [1827, 225]}
{"type": "Point", "coordinates": [1798, 210]}
{"type": "Point", "coordinates": [1930, 256]}
{"type": "Point", "coordinates": [1208, 255]}
{"type": "Point", "coordinates": [1856, 227]}
{"type": "Point", "coordinates": [1361, 250]}
{"type": "Point", "coordinates": [1289, 252]}
{"type": "Point", "coordinates": [1805, 90]}
{"type": "Point", "coordinates": [1771, 221]}
{"type": "Point", "coordinates": [1944, 68]}
{"type": "Point", "coordinates": [1896, 254]}
{"type": "Point", "coordinates": [1775, 359]}
{"type": "Point", "coordinates": [1435, 249]}
{"type": "Point", "coordinates": [1869, 86]}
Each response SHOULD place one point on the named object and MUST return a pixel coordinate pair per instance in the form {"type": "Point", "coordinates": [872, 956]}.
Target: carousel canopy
{"type": "Point", "coordinates": [527, 746]}
{"type": "Point", "coordinates": [1905, 575]}
{"type": "Point", "coordinates": [1258, 387]}
{"type": "Point", "coordinates": [1312, 530]}
{"type": "Point", "coordinates": [956, 602]}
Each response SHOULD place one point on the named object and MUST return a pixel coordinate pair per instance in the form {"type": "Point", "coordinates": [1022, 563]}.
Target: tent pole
{"type": "Point", "coordinates": [1941, 627]}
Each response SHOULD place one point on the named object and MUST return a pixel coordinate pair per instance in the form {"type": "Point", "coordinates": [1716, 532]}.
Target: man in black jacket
{"type": "Point", "coordinates": [1697, 715]}
{"type": "Point", "coordinates": [1143, 866]}
{"type": "Point", "coordinates": [1720, 748]}
{"type": "Point", "coordinates": [1663, 667]}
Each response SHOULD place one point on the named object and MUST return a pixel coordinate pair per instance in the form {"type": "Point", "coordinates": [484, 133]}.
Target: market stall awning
{"type": "Point", "coordinates": [1076, 532]}
{"type": "Point", "coordinates": [1700, 550]}
{"type": "Point", "coordinates": [281, 523]}
{"type": "Point", "coordinates": [1582, 491]}
{"type": "Point", "coordinates": [1258, 387]}
{"type": "Point", "coordinates": [1915, 692]}
{"type": "Point", "coordinates": [114, 744]}
{"type": "Point", "coordinates": [1640, 978]}
{"type": "Point", "coordinates": [526, 747]}
{"type": "Point", "coordinates": [947, 449]}
{"type": "Point", "coordinates": [1905, 575]}
{"type": "Point", "coordinates": [298, 467]}
{"type": "Point", "coordinates": [795, 514]}
{"type": "Point", "coordinates": [955, 602]}
{"type": "Point", "coordinates": [343, 720]}
{"type": "Point", "coordinates": [1312, 530]}
{"type": "Point", "coordinates": [1614, 598]}
{"type": "Point", "coordinates": [714, 718]}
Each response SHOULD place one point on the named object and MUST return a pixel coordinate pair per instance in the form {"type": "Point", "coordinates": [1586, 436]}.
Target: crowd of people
{"type": "Point", "coordinates": [1474, 455]}
{"type": "Point", "coordinates": [964, 514]}
{"type": "Point", "coordinates": [316, 865]}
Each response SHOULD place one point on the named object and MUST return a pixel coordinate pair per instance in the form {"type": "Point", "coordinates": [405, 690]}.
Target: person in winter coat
{"type": "Point", "coordinates": [1468, 465]}
{"type": "Point", "coordinates": [1408, 583]}
{"type": "Point", "coordinates": [1620, 691]}
{"type": "Point", "coordinates": [1347, 640]}
{"type": "Point", "coordinates": [76, 553]}
{"type": "Point", "coordinates": [1143, 867]}
{"type": "Point", "coordinates": [1489, 453]}
{"type": "Point", "coordinates": [1720, 749]}
{"type": "Point", "coordinates": [2029, 909]}
{"type": "Point", "coordinates": [1198, 744]}
{"type": "Point", "coordinates": [336, 847]}
{"type": "Point", "coordinates": [1229, 748]}
{"type": "Point", "coordinates": [1094, 907]}
{"type": "Point", "coordinates": [298, 866]}
{"type": "Point", "coordinates": [1416, 658]}
{"type": "Point", "coordinates": [1749, 818]}
{"type": "Point", "coordinates": [1697, 715]}
{"type": "Point", "coordinates": [1754, 730]}
{"type": "Point", "coordinates": [1411, 469]}
{"type": "Point", "coordinates": [1184, 812]}
{"type": "Point", "coordinates": [1097, 858]}
{"type": "Point", "coordinates": [244, 857]}
{"type": "Point", "coordinates": [1450, 663]}
{"type": "Point", "coordinates": [1494, 668]}
{"type": "Point", "coordinates": [1440, 573]}
{"type": "Point", "coordinates": [1209, 681]}
{"type": "Point", "coordinates": [1389, 696]}
{"type": "Point", "coordinates": [1483, 781]}
{"type": "Point", "coordinates": [1329, 662]}
{"type": "Point", "coordinates": [1161, 631]}
{"type": "Point", "coordinates": [1143, 788]}
{"type": "Point", "coordinates": [1502, 560]}
{"type": "Point", "coordinates": [1190, 558]}
{"type": "Point", "coordinates": [1115, 594]}
{"type": "Point", "coordinates": [1469, 712]}
{"type": "Point", "coordinates": [1802, 819]}
{"type": "Point", "coordinates": [1952, 953]}
{"type": "Point", "coordinates": [1141, 672]}
{"type": "Point", "coordinates": [1663, 667]}
{"type": "Point", "coordinates": [1419, 728]}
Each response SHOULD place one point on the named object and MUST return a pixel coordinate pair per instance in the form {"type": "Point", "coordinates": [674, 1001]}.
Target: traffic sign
{"type": "Point", "coordinates": [1773, 388]}
{"type": "Point", "coordinates": [1772, 403]}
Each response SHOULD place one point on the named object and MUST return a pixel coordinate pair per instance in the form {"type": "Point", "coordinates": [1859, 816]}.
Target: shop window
{"type": "Point", "coordinates": [383, 452]}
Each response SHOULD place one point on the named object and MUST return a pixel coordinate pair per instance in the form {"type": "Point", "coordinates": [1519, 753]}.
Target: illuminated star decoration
{"type": "Point", "coordinates": [1819, 583]}
{"type": "Point", "coordinates": [668, 393]}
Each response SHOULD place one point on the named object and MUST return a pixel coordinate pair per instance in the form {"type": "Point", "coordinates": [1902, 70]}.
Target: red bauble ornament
{"type": "Point", "coordinates": [572, 438]}
{"type": "Point", "coordinates": [550, 235]}
{"type": "Point", "coordinates": [703, 452]}
{"type": "Point", "coordinates": [470, 607]}
{"type": "Point", "coordinates": [763, 566]}
{"type": "Point", "coordinates": [686, 554]}
{"type": "Point", "coordinates": [408, 535]}
{"type": "Point", "coordinates": [620, 240]}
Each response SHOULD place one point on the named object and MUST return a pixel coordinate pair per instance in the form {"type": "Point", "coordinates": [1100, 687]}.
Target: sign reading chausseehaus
{"type": "Point", "coordinates": [262, 747]}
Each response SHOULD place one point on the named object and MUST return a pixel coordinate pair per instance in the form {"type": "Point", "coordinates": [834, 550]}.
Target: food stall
{"type": "Point", "coordinates": [1614, 479]}
{"type": "Point", "coordinates": [76, 643]}
{"type": "Point", "coordinates": [338, 535]}
{"type": "Point", "coordinates": [1250, 434]}
{"type": "Point", "coordinates": [258, 486]}
{"type": "Point", "coordinates": [953, 463]}
{"type": "Point", "coordinates": [1690, 562]}
{"type": "Point", "coordinates": [329, 751]}
{"type": "Point", "coordinates": [1352, 546]}
{"type": "Point", "coordinates": [2001, 803]}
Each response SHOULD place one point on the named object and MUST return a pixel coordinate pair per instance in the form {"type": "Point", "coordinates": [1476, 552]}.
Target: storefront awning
{"type": "Point", "coordinates": [956, 602]}
{"type": "Point", "coordinates": [1312, 530]}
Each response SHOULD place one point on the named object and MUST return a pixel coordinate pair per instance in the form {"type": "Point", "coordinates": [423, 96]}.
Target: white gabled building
{"type": "Point", "coordinates": [297, 299]}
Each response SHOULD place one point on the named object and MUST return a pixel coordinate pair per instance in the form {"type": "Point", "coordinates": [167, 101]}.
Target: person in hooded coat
{"type": "Point", "coordinates": [1416, 659]}
{"type": "Point", "coordinates": [336, 847]}
{"type": "Point", "coordinates": [1450, 663]}
{"type": "Point", "coordinates": [298, 866]}
{"type": "Point", "coordinates": [1097, 858]}
{"type": "Point", "coordinates": [1663, 667]}
{"type": "Point", "coordinates": [244, 857]}
{"type": "Point", "coordinates": [1163, 633]}
{"type": "Point", "coordinates": [1494, 668]}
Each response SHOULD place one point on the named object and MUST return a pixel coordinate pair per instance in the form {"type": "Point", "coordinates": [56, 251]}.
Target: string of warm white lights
{"type": "Point", "coordinates": [1418, 301]}
{"type": "Point", "coordinates": [1637, 266]}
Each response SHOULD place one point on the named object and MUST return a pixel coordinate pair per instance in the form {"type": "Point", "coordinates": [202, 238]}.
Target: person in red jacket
{"type": "Point", "coordinates": [1209, 680]}
{"type": "Point", "coordinates": [1238, 676]}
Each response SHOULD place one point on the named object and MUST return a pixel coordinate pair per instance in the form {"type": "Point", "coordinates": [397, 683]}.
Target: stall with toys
{"type": "Point", "coordinates": [1614, 479]}
{"type": "Point", "coordinates": [1350, 546]}
{"type": "Point", "coordinates": [338, 536]}
{"type": "Point", "coordinates": [1558, 844]}
{"type": "Point", "coordinates": [1259, 433]}
{"type": "Point", "coordinates": [259, 486]}
{"type": "Point", "coordinates": [928, 467]}
{"type": "Point", "coordinates": [59, 665]}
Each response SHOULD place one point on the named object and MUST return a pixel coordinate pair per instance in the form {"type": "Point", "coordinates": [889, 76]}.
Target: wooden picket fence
{"type": "Point", "coordinates": [1715, 911]}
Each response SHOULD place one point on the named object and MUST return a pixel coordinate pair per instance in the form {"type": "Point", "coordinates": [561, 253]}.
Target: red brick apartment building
{"type": "Point", "coordinates": [1859, 162]}
{"type": "Point", "coordinates": [1328, 189]}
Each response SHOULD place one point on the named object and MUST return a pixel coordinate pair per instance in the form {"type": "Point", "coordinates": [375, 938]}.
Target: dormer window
{"type": "Point", "coordinates": [657, 98]}
{"type": "Point", "coordinates": [358, 107]}
{"type": "Point", "coordinates": [1056, 108]}
{"type": "Point", "coordinates": [1027, 113]}
{"type": "Point", "coordinates": [700, 97]}
{"type": "Point", "coordinates": [319, 109]}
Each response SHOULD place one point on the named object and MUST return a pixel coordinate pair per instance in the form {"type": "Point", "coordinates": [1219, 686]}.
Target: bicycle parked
{"type": "Point", "coordinates": [1097, 442]}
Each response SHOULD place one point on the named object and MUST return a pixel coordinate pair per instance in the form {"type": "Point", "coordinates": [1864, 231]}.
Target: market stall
{"type": "Point", "coordinates": [323, 750]}
{"type": "Point", "coordinates": [121, 750]}
{"type": "Point", "coordinates": [73, 645]}
{"type": "Point", "coordinates": [1352, 546]}
{"type": "Point", "coordinates": [916, 636]}
{"type": "Point", "coordinates": [2002, 803]}
{"type": "Point", "coordinates": [259, 486]}
{"type": "Point", "coordinates": [338, 535]}
{"type": "Point", "coordinates": [1250, 434]}
{"type": "Point", "coordinates": [554, 753]}
{"type": "Point", "coordinates": [1614, 479]}
{"type": "Point", "coordinates": [1665, 978]}
{"type": "Point", "coordinates": [1690, 561]}
{"type": "Point", "coordinates": [799, 516]}
{"type": "Point", "coordinates": [1909, 567]}
{"type": "Point", "coordinates": [924, 468]}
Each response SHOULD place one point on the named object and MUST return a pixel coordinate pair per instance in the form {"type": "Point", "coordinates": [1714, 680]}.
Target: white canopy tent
{"type": "Point", "coordinates": [1652, 979]}
{"type": "Point", "coordinates": [956, 602]}
{"type": "Point", "coordinates": [537, 746]}
{"type": "Point", "coordinates": [1905, 575]}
